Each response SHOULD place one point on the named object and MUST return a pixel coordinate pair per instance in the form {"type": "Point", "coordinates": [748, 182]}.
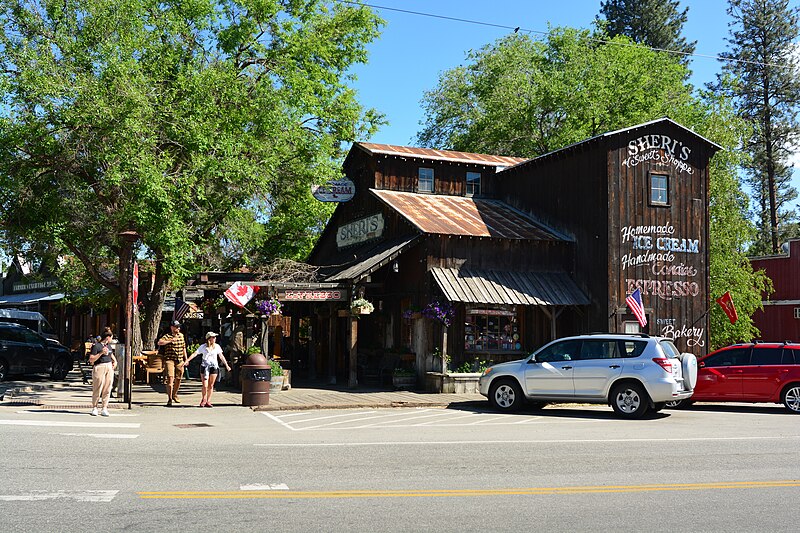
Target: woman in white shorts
{"type": "Point", "coordinates": [209, 366]}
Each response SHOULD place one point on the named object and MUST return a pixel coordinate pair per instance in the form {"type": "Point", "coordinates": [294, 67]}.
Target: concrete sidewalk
{"type": "Point", "coordinates": [73, 394]}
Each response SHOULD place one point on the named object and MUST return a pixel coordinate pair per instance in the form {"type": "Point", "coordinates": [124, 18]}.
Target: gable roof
{"type": "Point", "coordinates": [459, 215]}
{"type": "Point", "coordinates": [440, 155]}
{"type": "Point", "coordinates": [608, 134]}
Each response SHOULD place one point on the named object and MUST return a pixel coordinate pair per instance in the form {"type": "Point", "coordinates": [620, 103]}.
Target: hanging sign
{"type": "Point", "coordinates": [341, 190]}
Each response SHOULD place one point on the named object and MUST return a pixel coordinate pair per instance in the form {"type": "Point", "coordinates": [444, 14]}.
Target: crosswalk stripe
{"type": "Point", "coordinates": [102, 435]}
{"type": "Point", "coordinates": [77, 495]}
{"type": "Point", "coordinates": [65, 424]}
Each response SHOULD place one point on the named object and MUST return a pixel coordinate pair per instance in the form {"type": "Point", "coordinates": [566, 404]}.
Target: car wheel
{"type": "Point", "coordinates": [629, 400]}
{"type": "Point", "coordinates": [61, 368]}
{"type": "Point", "coordinates": [506, 395]}
{"type": "Point", "coordinates": [3, 370]}
{"type": "Point", "coordinates": [791, 398]}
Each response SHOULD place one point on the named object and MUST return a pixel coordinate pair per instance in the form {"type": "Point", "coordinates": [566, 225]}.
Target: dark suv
{"type": "Point", "coordinates": [752, 373]}
{"type": "Point", "coordinates": [23, 351]}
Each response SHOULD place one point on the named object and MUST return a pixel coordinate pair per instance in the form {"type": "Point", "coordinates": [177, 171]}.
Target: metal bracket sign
{"type": "Point", "coordinates": [341, 190]}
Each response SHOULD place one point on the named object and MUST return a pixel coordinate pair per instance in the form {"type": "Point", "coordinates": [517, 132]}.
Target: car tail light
{"type": "Point", "coordinates": [664, 363]}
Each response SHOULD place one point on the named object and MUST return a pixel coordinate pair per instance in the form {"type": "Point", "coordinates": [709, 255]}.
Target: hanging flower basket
{"type": "Point", "coordinates": [269, 307]}
{"type": "Point", "coordinates": [361, 306]}
{"type": "Point", "coordinates": [440, 312]}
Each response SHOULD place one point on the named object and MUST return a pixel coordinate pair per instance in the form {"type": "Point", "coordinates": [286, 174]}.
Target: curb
{"type": "Point", "coordinates": [384, 405]}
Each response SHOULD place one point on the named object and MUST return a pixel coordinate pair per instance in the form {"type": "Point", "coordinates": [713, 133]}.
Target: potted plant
{"type": "Point", "coordinates": [404, 378]}
{"type": "Point", "coordinates": [276, 383]}
{"type": "Point", "coordinates": [361, 306]}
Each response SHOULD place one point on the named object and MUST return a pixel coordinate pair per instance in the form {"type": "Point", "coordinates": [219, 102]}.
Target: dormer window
{"type": "Point", "coordinates": [473, 183]}
{"type": "Point", "coordinates": [425, 183]}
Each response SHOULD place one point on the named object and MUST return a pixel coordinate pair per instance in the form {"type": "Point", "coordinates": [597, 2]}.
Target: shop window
{"type": "Point", "coordinates": [659, 189]}
{"type": "Point", "coordinates": [473, 183]}
{"type": "Point", "coordinates": [797, 312]}
{"type": "Point", "coordinates": [491, 330]}
{"type": "Point", "coordinates": [631, 327]}
{"type": "Point", "coordinates": [425, 183]}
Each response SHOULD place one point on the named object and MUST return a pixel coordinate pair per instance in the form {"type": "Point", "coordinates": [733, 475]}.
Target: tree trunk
{"type": "Point", "coordinates": [154, 302]}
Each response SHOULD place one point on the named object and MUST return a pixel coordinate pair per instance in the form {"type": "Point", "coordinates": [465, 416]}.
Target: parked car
{"type": "Point", "coordinates": [23, 351]}
{"type": "Point", "coordinates": [30, 319]}
{"type": "Point", "coordinates": [632, 373]}
{"type": "Point", "coordinates": [752, 373]}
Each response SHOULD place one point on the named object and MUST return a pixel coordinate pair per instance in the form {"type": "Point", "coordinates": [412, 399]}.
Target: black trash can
{"type": "Point", "coordinates": [256, 376]}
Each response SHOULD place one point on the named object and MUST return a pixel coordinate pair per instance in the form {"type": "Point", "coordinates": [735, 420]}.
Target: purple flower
{"type": "Point", "coordinates": [443, 312]}
{"type": "Point", "coordinates": [269, 307]}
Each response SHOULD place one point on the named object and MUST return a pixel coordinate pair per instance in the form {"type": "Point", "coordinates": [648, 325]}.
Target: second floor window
{"type": "Point", "coordinates": [425, 180]}
{"type": "Point", "coordinates": [473, 183]}
{"type": "Point", "coordinates": [659, 189]}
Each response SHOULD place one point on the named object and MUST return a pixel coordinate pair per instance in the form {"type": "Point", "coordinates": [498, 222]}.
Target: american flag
{"type": "Point", "coordinates": [181, 308]}
{"type": "Point", "coordinates": [634, 301]}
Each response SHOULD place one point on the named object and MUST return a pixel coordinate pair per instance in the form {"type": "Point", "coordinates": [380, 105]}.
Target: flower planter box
{"type": "Point", "coordinates": [404, 382]}
{"type": "Point", "coordinates": [452, 383]}
{"type": "Point", "coordinates": [360, 310]}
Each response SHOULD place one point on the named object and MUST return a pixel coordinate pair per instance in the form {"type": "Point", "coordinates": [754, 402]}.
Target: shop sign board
{"type": "Point", "coordinates": [23, 287]}
{"type": "Point", "coordinates": [361, 230]}
{"type": "Point", "coordinates": [341, 190]}
{"type": "Point", "coordinates": [312, 295]}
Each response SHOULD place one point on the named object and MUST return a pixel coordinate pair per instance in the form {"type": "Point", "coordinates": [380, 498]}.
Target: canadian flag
{"type": "Point", "coordinates": [726, 302]}
{"type": "Point", "coordinates": [240, 294]}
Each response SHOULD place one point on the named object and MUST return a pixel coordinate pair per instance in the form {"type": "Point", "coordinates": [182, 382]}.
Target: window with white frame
{"type": "Point", "coordinates": [659, 189]}
{"type": "Point", "coordinates": [631, 327]}
{"type": "Point", "coordinates": [473, 183]}
{"type": "Point", "coordinates": [797, 312]}
{"type": "Point", "coordinates": [425, 180]}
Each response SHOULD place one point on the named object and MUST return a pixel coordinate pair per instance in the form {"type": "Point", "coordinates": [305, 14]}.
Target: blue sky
{"type": "Point", "coordinates": [413, 50]}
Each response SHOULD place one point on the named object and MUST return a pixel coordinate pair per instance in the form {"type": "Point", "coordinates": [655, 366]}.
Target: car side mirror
{"type": "Point", "coordinates": [701, 364]}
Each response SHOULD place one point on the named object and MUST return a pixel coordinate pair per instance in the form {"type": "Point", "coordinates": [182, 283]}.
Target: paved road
{"type": "Point", "coordinates": [560, 469]}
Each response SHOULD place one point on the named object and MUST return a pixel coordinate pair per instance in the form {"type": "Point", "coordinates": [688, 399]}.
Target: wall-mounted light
{"type": "Point", "coordinates": [395, 267]}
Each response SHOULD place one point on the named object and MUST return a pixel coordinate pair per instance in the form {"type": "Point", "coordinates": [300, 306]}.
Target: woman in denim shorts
{"type": "Point", "coordinates": [209, 366]}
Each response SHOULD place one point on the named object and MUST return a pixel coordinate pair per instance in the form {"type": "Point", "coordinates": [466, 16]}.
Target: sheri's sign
{"type": "Point", "coordinates": [341, 190]}
{"type": "Point", "coordinates": [363, 229]}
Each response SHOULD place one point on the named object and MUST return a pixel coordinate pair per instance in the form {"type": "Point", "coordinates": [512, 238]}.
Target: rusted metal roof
{"type": "Point", "coordinates": [459, 215]}
{"type": "Point", "coordinates": [441, 155]}
{"type": "Point", "coordinates": [508, 287]}
{"type": "Point", "coordinates": [371, 259]}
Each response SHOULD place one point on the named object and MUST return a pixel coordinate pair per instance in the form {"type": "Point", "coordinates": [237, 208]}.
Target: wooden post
{"type": "Point", "coordinates": [332, 345]}
{"type": "Point", "coordinates": [352, 381]}
{"type": "Point", "coordinates": [444, 350]}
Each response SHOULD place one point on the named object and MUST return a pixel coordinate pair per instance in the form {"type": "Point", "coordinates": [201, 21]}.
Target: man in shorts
{"type": "Point", "coordinates": [174, 358]}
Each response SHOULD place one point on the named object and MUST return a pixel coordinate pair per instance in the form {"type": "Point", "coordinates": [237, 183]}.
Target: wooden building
{"type": "Point", "coordinates": [524, 250]}
{"type": "Point", "coordinates": [780, 319]}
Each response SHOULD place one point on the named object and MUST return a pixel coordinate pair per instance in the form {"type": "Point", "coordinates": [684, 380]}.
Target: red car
{"type": "Point", "coordinates": [754, 373]}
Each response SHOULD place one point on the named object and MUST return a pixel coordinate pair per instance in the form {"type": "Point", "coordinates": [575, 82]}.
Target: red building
{"type": "Point", "coordinates": [780, 319]}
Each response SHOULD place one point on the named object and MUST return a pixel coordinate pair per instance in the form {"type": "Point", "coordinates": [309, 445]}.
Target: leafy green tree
{"type": "Point", "coordinates": [655, 23]}
{"type": "Point", "coordinates": [175, 120]}
{"type": "Point", "coordinates": [525, 98]}
{"type": "Point", "coordinates": [763, 64]}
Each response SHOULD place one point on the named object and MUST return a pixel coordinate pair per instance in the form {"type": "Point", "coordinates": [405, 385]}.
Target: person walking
{"type": "Point", "coordinates": [209, 366]}
{"type": "Point", "coordinates": [103, 364]}
{"type": "Point", "coordinates": [174, 358]}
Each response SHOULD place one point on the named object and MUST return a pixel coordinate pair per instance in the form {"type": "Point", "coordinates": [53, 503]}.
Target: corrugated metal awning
{"type": "Point", "coordinates": [460, 215]}
{"type": "Point", "coordinates": [508, 287]}
{"type": "Point", "coordinates": [371, 259]}
{"type": "Point", "coordinates": [30, 298]}
{"type": "Point", "coordinates": [441, 155]}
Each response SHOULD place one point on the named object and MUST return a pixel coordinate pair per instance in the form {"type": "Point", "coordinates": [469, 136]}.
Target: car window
{"type": "Point", "coordinates": [560, 351]}
{"type": "Point", "coordinates": [600, 349]}
{"type": "Point", "coordinates": [791, 357]}
{"type": "Point", "coordinates": [766, 356]}
{"type": "Point", "coordinates": [5, 334]}
{"type": "Point", "coordinates": [732, 357]}
{"type": "Point", "coordinates": [669, 349]}
{"type": "Point", "coordinates": [633, 348]}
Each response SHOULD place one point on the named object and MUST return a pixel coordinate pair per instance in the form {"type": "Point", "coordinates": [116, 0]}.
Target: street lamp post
{"type": "Point", "coordinates": [130, 303]}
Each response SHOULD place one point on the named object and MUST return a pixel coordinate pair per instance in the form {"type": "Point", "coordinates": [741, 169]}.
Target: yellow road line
{"type": "Point", "coordinates": [288, 494]}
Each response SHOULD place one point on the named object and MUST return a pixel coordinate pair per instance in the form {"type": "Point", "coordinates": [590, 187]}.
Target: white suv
{"type": "Point", "coordinates": [632, 373]}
